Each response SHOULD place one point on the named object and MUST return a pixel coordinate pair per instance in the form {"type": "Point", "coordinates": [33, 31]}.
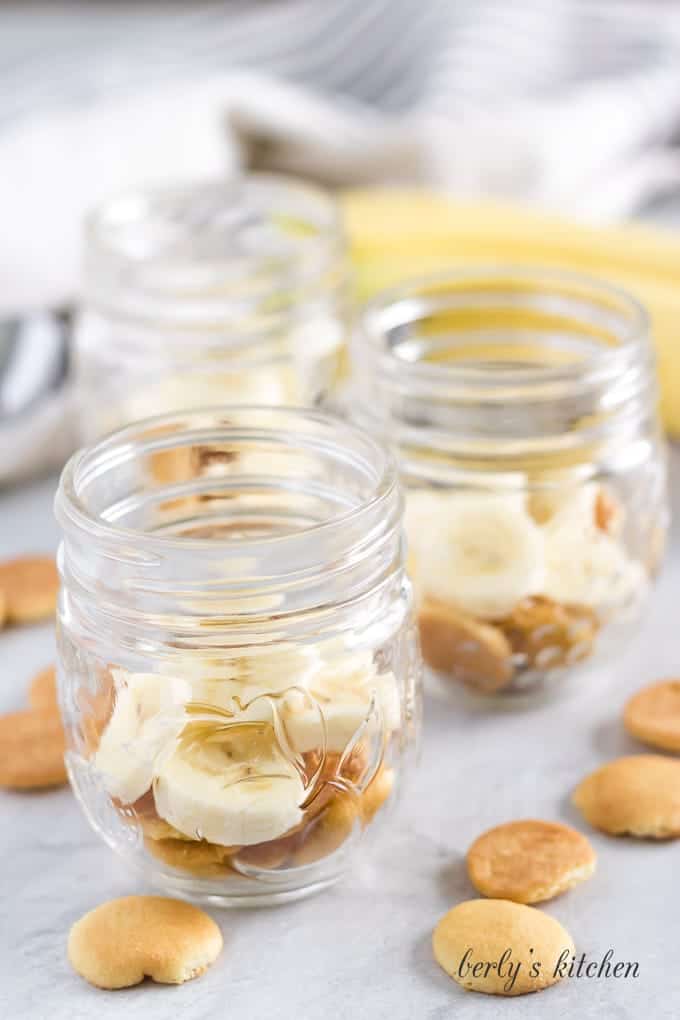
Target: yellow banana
{"type": "Point", "coordinates": [396, 235]}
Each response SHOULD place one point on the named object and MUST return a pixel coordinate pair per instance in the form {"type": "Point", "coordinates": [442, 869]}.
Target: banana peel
{"type": "Point", "coordinates": [396, 235]}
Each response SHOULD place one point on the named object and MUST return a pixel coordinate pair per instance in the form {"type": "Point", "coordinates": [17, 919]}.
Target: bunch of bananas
{"type": "Point", "coordinates": [396, 235]}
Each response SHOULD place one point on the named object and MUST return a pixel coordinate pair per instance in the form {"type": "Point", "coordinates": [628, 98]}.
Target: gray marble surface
{"type": "Point", "coordinates": [362, 949]}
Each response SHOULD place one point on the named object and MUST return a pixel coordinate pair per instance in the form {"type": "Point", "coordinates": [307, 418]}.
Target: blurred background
{"type": "Point", "coordinates": [569, 105]}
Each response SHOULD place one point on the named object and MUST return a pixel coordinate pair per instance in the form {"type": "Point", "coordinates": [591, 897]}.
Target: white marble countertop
{"type": "Point", "coordinates": [361, 949]}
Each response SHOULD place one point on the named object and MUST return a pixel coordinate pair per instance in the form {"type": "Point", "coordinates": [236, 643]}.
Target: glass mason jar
{"type": "Point", "coordinates": [522, 406]}
{"type": "Point", "coordinates": [238, 663]}
{"type": "Point", "coordinates": [226, 292]}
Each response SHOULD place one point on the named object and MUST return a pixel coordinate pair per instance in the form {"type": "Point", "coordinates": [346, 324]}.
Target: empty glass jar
{"type": "Point", "coordinates": [522, 406]}
{"type": "Point", "coordinates": [233, 291]}
{"type": "Point", "coordinates": [237, 651]}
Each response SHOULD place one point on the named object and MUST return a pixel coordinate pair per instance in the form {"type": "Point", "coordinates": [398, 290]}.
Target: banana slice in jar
{"type": "Point", "coordinates": [423, 506]}
{"type": "Point", "coordinates": [483, 556]}
{"type": "Point", "coordinates": [229, 781]}
{"type": "Point", "coordinates": [565, 501]}
{"type": "Point", "coordinates": [224, 757]}
{"type": "Point", "coordinates": [203, 389]}
{"type": "Point", "coordinates": [149, 712]}
{"type": "Point", "coordinates": [586, 561]}
{"type": "Point", "coordinates": [348, 695]}
{"type": "Point", "coordinates": [323, 694]}
{"type": "Point", "coordinates": [592, 503]}
{"type": "Point", "coordinates": [586, 566]}
{"type": "Point", "coordinates": [221, 673]}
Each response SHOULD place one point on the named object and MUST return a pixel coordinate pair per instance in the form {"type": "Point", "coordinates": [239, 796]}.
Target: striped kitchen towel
{"type": "Point", "coordinates": [574, 104]}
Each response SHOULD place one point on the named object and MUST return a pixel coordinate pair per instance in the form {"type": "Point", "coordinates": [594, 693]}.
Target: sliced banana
{"type": "Point", "coordinates": [148, 713]}
{"type": "Point", "coordinates": [585, 566]}
{"type": "Point", "coordinates": [483, 556]}
{"type": "Point", "coordinates": [218, 681]}
{"type": "Point", "coordinates": [591, 503]}
{"type": "Point", "coordinates": [423, 506]}
{"type": "Point", "coordinates": [428, 509]}
{"type": "Point", "coordinates": [323, 701]}
{"type": "Point", "coordinates": [201, 389]}
{"type": "Point", "coordinates": [220, 750]}
{"type": "Point", "coordinates": [572, 501]}
{"type": "Point", "coordinates": [347, 695]}
{"type": "Point", "coordinates": [229, 782]}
